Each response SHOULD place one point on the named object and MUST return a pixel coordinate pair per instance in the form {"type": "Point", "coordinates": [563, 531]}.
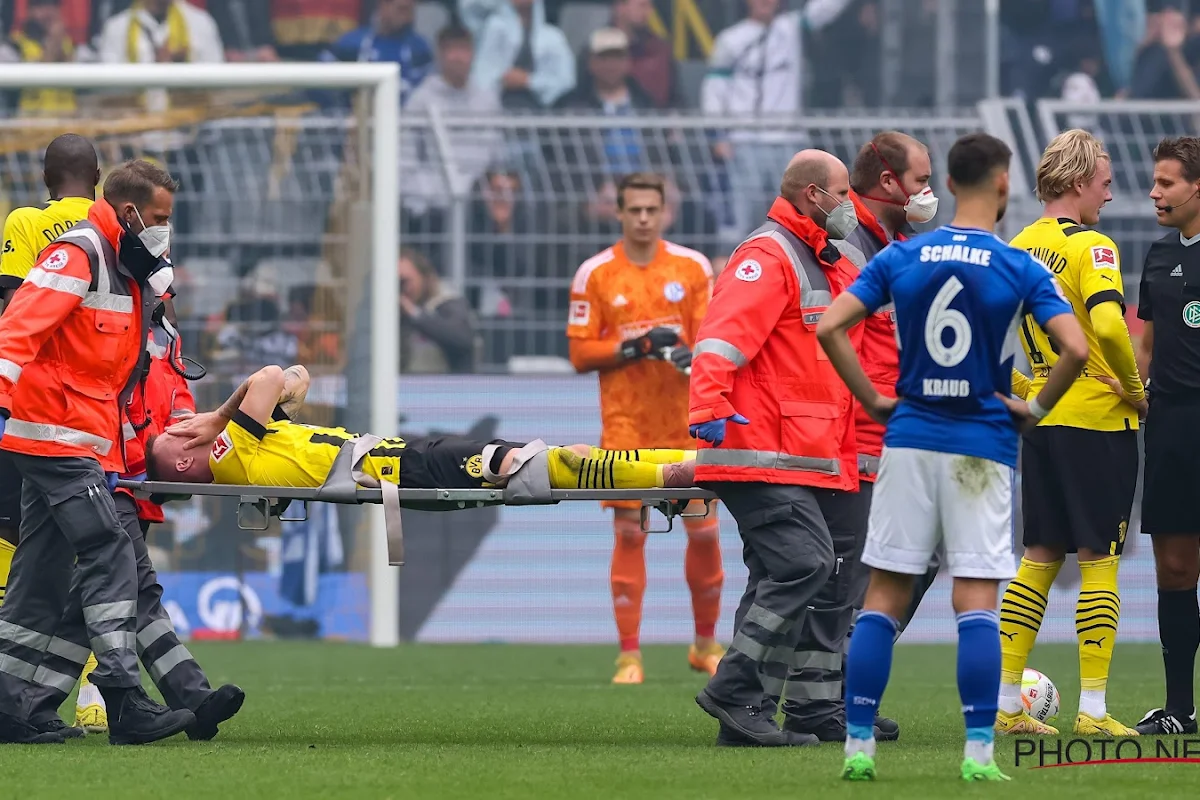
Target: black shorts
{"type": "Point", "coordinates": [10, 492]}
{"type": "Point", "coordinates": [446, 462]}
{"type": "Point", "coordinates": [1077, 487]}
{"type": "Point", "coordinates": [1172, 480]}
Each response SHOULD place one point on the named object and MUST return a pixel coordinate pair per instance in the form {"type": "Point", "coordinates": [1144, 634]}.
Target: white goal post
{"type": "Point", "coordinates": [383, 83]}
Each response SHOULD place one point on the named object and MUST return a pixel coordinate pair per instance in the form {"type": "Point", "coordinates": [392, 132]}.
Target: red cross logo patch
{"type": "Point", "coordinates": [749, 271]}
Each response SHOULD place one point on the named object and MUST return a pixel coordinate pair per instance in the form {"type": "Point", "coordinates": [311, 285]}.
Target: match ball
{"type": "Point", "coordinates": [1039, 695]}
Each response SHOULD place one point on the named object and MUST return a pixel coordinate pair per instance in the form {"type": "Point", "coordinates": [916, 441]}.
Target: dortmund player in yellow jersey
{"type": "Point", "coordinates": [1080, 465]}
{"type": "Point", "coordinates": [251, 440]}
{"type": "Point", "coordinates": [71, 171]}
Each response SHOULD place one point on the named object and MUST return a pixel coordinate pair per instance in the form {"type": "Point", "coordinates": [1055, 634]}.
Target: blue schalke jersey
{"type": "Point", "coordinates": [960, 294]}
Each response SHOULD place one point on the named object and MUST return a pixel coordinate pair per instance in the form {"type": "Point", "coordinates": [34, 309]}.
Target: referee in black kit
{"type": "Point", "coordinates": [1170, 355]}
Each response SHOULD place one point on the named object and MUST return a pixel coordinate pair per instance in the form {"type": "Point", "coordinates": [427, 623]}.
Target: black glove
{"type": "Point", "coordinates": [681, 357]}
{"type": "Point", "coordinates": [649, 344]}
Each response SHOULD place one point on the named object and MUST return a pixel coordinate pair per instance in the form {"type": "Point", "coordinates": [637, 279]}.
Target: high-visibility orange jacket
{"type": "Point", "coordinates": [70, 342]}
{"type": "Point", "coordinates": [757, 355]}
{"type": "Point", "coordinates": [161, 397]}
{"type": "Point", "coordinates": [879, 353]}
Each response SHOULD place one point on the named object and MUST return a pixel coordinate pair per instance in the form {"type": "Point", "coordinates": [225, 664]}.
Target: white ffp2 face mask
{"type": "Point", "coordinates": [922, 206]}
{"type": "Point", "coordinates": [156, 238]}
{"type": "Point", "coordinates": [160, 280]}
{"type": "Point", "coordinates": [841, 221]}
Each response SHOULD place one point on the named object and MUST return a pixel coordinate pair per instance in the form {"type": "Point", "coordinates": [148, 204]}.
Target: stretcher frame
{"type": "Point", "coordinates": [257, 504]}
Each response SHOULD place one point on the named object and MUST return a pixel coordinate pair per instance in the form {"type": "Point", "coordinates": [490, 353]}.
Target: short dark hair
{"type": "Point", "coordinates": [454, 33]}
{"type": "Point", "coordinates": [974, 157]}
{"type": "Point", "coordinates": [1185, 150]}
{"type": "Point", "coordinates": [887, 151]}
{"type": "Point", "coordinates": [70, 157]}
{"type": "Point", "coordinates": [648, 181]}
{"type": "Point", "coordinates": [135, 182]}
{"type": "Point", "coordinates": [152, 471]}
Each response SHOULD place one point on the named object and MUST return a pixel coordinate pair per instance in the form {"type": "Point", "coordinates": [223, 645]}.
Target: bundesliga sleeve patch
{"type": "Point", "coordinates": [221, 446]}
{"type": "Point", "coordinates": [581, 312]}
{"type": "Point", "coordinates": [748, 271]}
{"type": "Point", "coordinates": [55, 261]}
{"type": "Point", "coordinates": [1104, 258]}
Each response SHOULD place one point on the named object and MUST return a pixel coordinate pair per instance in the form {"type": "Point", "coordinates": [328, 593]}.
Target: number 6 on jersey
{"type": "Point", "coordinates": [941, 317]}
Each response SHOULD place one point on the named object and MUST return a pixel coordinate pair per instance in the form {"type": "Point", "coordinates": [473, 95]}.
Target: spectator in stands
{"type": "Point", "coordinates": [451, 92]}
{"type": "Point", "coordinates": [652, 64]}
{"type": "Point", "coordinates": [41, 38]}
{"type": "Point", "coordinates": [305, 28]}
{"type": "Point", "coordinates": [161, 31]}
{"type": "Point", "coordinates": [474, 13]}
{"type": "Point", "coordinates": [437, 328]}
{"type": "Point", "coordinates": [1166, 64]}
{"type": "Point", "coordinates": [389, 37]}
{"type": "Point", "coordinates": [525, 57]}
{"type": "Point", "coordinates": [76, 16]}
{"type": "Point", "coordinates": [253, 330]}
{"type": "Point", "coordinates": [245, 28]}
{"type": "Point", "coordinates": [610, 88]}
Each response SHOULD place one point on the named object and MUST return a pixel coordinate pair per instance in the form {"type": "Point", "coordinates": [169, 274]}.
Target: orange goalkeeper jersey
{"type": "Point", "coordinates": [643, 403]}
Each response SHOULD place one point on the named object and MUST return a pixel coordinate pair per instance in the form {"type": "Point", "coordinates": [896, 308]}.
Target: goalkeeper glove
{"type": "Point", "coordinates": [648, 344]}
{"type": "Point", "coordinates": [681, 357]}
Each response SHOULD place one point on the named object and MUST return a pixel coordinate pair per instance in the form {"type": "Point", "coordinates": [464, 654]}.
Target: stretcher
{"type": "Point", "coordinates": [257, 504]}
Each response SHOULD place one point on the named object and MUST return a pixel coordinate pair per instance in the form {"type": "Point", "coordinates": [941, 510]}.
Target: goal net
{"type": "Point", "coordinates": [285, 242]}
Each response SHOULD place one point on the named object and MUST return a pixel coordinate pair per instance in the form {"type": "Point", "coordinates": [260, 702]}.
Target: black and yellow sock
{"type": "Point", "coordinates": [7, 549]}
{"type": "Point", "coordinates": [569, 470]}
{"type": "Point", "coordinates": [1096, 616]}
{"type": "Point", "coordinates": [1021, 612]}
{"type": "Point", "coordinates": [662, 456]}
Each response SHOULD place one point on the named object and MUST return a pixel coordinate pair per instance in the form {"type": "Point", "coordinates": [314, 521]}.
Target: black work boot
{"type": "Point", "coordinates": [216, 708]}
{"type": "Point", "coordinates": [727, 737]}
{"type": "Point", "coordinates": [18, 731]}
{"type": "Point", "coordinates": [749, 722]}
{"type": "Point", "coordinates": [56, 725]}
{"type": "Point", "coordinates": [886, 729]}
{"type": "Point", "coordinates": [133, 718]}
{"type": "Point", "coordinates": [830, 729]}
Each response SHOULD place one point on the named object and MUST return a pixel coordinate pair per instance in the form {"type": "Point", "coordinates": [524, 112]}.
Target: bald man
{"type": "Point", "coordinates": [776, 444]}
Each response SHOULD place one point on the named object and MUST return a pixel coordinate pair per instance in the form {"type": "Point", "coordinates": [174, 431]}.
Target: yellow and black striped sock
{"type": "Point", "coordinates": [7, 549]}
{"type": "Point", "coordinates": [569, 470]}
{"type": "Point", "coordinates": [1096, 616]}
{"type": "Point", "coordinates": [662, 456]}
{"type": "Point", "coordinates": [1021, 612]}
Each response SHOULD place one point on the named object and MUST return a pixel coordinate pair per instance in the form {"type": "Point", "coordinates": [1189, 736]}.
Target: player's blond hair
{"type": "Point", "coordinates": [1071, 157]}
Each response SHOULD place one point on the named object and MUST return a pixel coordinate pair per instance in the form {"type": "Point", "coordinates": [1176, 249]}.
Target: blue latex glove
{"type": "Point", "coordinates": [3, 419]}
{"type": "Point", "coordinates": [713, 431]}
{"type": "Point", "coordinates": [111, 479]}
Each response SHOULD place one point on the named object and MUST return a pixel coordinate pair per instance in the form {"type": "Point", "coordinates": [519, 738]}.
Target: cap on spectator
{"type": "Point", "coordinates": [608, 40]}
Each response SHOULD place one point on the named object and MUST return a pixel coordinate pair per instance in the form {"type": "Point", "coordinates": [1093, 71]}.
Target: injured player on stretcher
{"type": "Point", "coordinates": [252, 441]}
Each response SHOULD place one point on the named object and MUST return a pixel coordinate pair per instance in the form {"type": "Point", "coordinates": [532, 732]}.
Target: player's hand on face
{"type": "Point", "coordinates": [199, 430]}
{"type": "Point", "coordinates": [1142, 406]}
{"type": "Point", "coordinates": [881, 410]}
{"type": "Point", "coordinates": [1022, 417]}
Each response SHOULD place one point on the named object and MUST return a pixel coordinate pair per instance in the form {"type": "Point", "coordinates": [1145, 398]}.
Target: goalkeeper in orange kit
{"type": "Point", "coordinates": [634, 309]}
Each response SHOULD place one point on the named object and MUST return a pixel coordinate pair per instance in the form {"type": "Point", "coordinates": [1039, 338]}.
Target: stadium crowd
{"type": "Point", "coordinates": [539, 197]}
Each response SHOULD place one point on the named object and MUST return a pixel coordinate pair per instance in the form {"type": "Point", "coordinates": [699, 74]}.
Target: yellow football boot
{"type": "Point", "coordinates": [629, 669]}
{"type": "Point", "coordinates": [1021, 722]}
{"type": "Point", "coordinates": [706, 658]}
{"type": "Point", "coordinates": [1087, 725]}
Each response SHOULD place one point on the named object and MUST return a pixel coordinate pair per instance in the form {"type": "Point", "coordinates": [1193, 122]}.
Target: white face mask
{"type": "Point", "coordinates": [842, 220]}
{"type": "Point", "coordinates": [156, 238]}
{"type": "Point", "coordinates": [160, 280]}
{"type": "Point", "coordinates": [922, 206]}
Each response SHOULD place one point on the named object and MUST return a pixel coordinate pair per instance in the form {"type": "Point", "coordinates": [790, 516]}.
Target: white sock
{"type": "Point", "coordinates": [1092, 704]}
{"type": "Point", "coordinates": [1010, 698]}
{"type": "Point", "coordinates": [980, 751]}
{"type": "Point", "coordinates": [860, 746]}
{"type": "Point", "coordinates": [89, 695]}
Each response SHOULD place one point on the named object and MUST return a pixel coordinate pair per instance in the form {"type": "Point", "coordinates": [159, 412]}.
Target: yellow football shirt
{"type": "Point", "coordinates": [284, 453]}
{"type": "Point", "coordinates": [1087, 266]}
{"type": "Point", "coordinates": [32, 230]}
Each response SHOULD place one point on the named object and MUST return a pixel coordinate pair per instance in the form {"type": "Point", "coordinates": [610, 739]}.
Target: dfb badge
{"type": "Point", "coordinates": [673, 291]}
{"type": "Point", "coordinates": [748, 271]}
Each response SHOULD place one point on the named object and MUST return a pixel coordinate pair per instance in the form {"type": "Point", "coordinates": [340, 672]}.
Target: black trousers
{"type": "Point", "coordinates": [790, 556]}
{"type": "Point", "coordinates": [170, 664]}
{"type": "Point", "coordinates": [69, 532]}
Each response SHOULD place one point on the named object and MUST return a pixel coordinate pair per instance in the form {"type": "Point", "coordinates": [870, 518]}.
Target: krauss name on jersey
{"type": "Point", "coordinates": [944, 387]}
{"type": "Point", "coordinates": [962, 253]}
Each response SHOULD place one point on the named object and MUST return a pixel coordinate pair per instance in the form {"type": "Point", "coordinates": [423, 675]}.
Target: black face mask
{"type": "Point", "coordinates": [135, 257]}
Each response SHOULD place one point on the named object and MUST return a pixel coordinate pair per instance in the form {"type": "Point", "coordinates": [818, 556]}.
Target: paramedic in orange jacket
{"type": "Point", "coordinates": [635, 308]}
{"type": "Point", "coordinates": [776, 434]}
{"type": "Point", "coordinates": [71, 343]}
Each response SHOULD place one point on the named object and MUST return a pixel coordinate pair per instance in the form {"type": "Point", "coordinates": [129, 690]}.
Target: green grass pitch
{"type": "Point", "coordinates": [508, 721]}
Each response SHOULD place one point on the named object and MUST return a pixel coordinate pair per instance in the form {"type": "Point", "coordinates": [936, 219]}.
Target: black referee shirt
{"type": "Point", "coordinates": [1170, 298]}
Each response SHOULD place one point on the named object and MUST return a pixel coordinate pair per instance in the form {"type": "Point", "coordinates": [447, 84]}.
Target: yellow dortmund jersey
{"type": "Point", "coordinates": [33, 231]}
{"type": "Point", "coordinates": [1088, 270]}
{"type": "Point", "coordinates": [289, 454]}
